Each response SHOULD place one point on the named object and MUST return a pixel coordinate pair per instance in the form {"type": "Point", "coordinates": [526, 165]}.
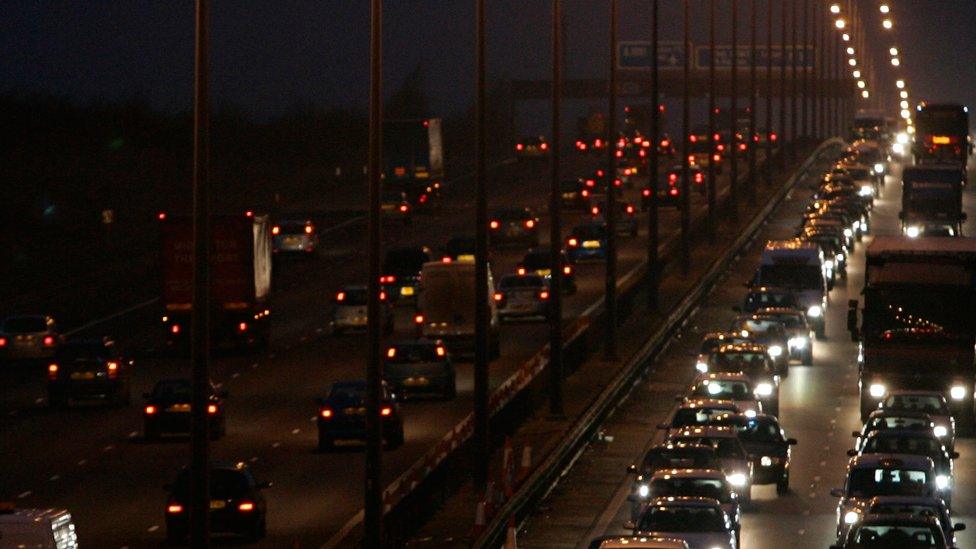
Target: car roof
{"type": "Point", "coordinates": [707, 403]}
{"type": "Point", "coordinates": [682, 445]}
{"type": "Point", "coordinates": [896, 432]}
{"type": "Point", "coordinates": [688, 473]}
{"type": "Point", "coordinates": [684, 501]}
{"type": "Point", "coordinates": [640, 542]}
{"type": "Point", "coordinates": [742, 347]}
{"type": "Point", "coordinates": [891, 412]}
{"type": "Point", "coordinates": [900, 519]}
{"type": "Point", "coordinates": [722, 376]}
{"type": "Point", "coordinates": [919, 392]}
{"type": "Point", "coordinates": [420, 342]}
{"type": "Point", "coordinates": [865, 461]}
{"type": "Point", "coordinates": [908, 500]}
{"type": "Point", "coordinates": [777, 311]}
{"type": "Point", "coordinates": [708, 431]}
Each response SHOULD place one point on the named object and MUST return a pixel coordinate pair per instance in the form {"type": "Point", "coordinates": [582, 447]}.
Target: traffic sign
{"type": "Point", "coordinates": [636, 55]}
{"type": "Point", "coordinates": [723, 56]}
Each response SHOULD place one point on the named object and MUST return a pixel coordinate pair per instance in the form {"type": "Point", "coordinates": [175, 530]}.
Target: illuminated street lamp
{"type": "Point", "coordinates": [840, 24]}
{"type": "Point", "coordinates": [887, 24]}
{"type": "Point", "coordinates": [906, 114]}
{"type": "Point", "coordinates": [856, 74]}
{"type": "Point", "coordinates": [846, 37]}
{"type": "Point", "coordinates": [850, 50]}
{"type": "Point", "coordinates": [835, 9]}
{"type": "Point", "coordinates": [895, 62]}
{"type": "Point", "coordinates": [852, 62]}
{"type": "Point", "coordinates": [904, 104]}
{"type": "Point", "coordinates": [900, 84]}
{"type": "Point", "coordinates": [885, 9]}
{"type": "Point", "coordinates": [865, 94]}
{"type": "Point", "coordinates": [903, 94]}
{"type": "Point", "coordinates": [893, 51]}
{"type": "Point", "coordinates": [861, 84]}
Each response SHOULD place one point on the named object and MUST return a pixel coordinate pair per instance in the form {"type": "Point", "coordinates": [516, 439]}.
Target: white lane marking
{"type": "Point", "coordinates": [108, 448]}
{"type": "Point", "coordinates": [114, 315]}
{"type": "Point", "coordinates": [133, 434]}
{"type": "Point", "coordinates": [23, 495]}
{"type": "Point", "coordinates": [82, 462]}
{"type": "Point", "coordinates": [253, 459]}
{"type": "Point", "coordinates": [154, 527]}
{"type": "Point", "coordinates": [235, 375]}
{"type": "Point", "coordinates": [39, 400]}
{"type": "Point", "coordinates": [54, 478]}
{"type": "Point", "coordinates": [340, 536]}
{"type": "Point", "coordinates": [312, 418]}
{"type": "Point", "coordinates": [275, 444]}
{"type": "Point", "coordinates": [254, 366]}
{"type": "Point", "coordinates": [296, 431]}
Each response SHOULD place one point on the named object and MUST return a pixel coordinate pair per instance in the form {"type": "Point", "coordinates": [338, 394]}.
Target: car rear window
{"type": "Point", "coordinates": [82, 351]}
{"type": "Point", "coordinates": [595, 232]}
{"type": "Point", "coordinates": [292, 227]}
{"type": "Point", "coordinates": [24, 325]}
{"type": "Point", "coordinates": [529, 281]}
{"type": "Point", "coordinates": [172, 390]}
{"type": "Point", "coordinates": [408, 354]}
{"type": "Point", "coordinates": [224, 484]}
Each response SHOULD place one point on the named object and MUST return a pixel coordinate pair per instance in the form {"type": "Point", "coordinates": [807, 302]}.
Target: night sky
{"type": "Point", "coordinates": [269, 56]}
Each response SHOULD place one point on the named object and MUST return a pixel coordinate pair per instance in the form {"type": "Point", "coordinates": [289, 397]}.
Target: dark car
{"type": "Point", "coordinates": [167, 409]}
{"type": "Point", "coordinates": [514, 226]}
{"type": "Point", "coordinates": [764, 297]}
{"type": "Point", "coordinates": [539, 261]}
{"type": "Point", "coordinates": [349, 310]}
{"type": "Point", "coordinates": [880, 420]}
{"type": "Point", "coordinates": [401, 272]}
{"type": "Point", "coordinates": [798, 329]}
{"type": "Point", "coordinates": [460, 248]}
{"type": "Point", "coordinates": [237, 505]}
{"type": "Point", "coordinates": [894, 531]}
{"type": "Point", "coordinates": [294, 236]}
{"type": "Point", "coordinates": [834, 250]}
{"type": "Point", "coordinates": [625, 220]}
{"type": "Point", "coordinates": [916, 442]}
{"type": "Point", "coordinates": [532, 147]}
{"type": "Point", "coordinates": [669, 185]}
{"type": "Point", "coordinates": [342, 415]}
{"type": "Point", "coordinates": [88, 369]}
{"type": "Point", "coordinates": [29, 337]}
{"type": "Point", "coordinates": [753, 360]}
{"type": "Point", "coordinates": [767, 446]}
{"type": "Point", "coordinates": [572, 195]}
{"type": "Point", "coordinates": [587, 241]}
{"type": "Point", "coordinates": [419, 367]}
{"type": "Point", "coordinates": [395, 206]}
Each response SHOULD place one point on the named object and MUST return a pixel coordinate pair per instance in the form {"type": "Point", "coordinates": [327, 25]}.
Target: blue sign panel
{"type": "Point", "coordinates": [805, 56]}
{"type": "Point", "coordinates": [636, 55]}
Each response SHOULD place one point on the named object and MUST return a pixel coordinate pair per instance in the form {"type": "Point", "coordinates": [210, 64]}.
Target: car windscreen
{"type": "Point", "coordinates": [758, 327]}
{"type": "Point", "coordinates": [691, 487]}
{"type": "Point", "coordinates": [898, 422]}
{"type": "Point", "coordinates": [902, 445]}
{"type": "Point", "coordinates": [527, 281]}
{"type": "Point", "coordinates": [688, 417]}
{"type": "Point", "coordinates": [178, 390]}
{"type": "Point", "coordinates": [405, 261]}
{"type": "Point", "coordinates": [930, 404]}
{"type": "Point", "coordinates": [895, 537]}
{"type": "Point", "coordinates": [681, 458]}
{"type": "Point", "coordinates": [352, 298]}
{"type": "Point", "coordinates": [348, 393]}
{"type": "Point", "coordinates": [789, 320]}
{"type": "Point", "coordinates": [869, 482]}
{"type": "Point", "coordinates": [761, 430]}
{"type": "Point", "coordinates": [917, 509]}
{"type": "Point", "coordinates": [682, 519]}
{"type": "Point", "coordinates": [725, 447]}
{"type": "Point", "coordinates": [723, 389]}
{"type": "Point", "coordinates": [792, 276]}
{"type": "Point", "coordinates": [748, 362]}
{"type": "Point", "coordinates": [24, 325]}
{"type": "Point", "coordinates": [590, 232]}
{"type": "Point", "coordinates": [762, 300]}
{"type": "Point", "coordinates": [224, 484]}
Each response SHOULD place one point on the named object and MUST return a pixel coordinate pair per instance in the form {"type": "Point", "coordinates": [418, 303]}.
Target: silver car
{"type": "Point", "coordinates": [523, 296]}
{"type": "Point", "coordinates": [295, 236]}
{"type": "Point", "coordinates": [700, 522]}
{"type": "Point", "coordinates": [735, 461]}
{"type": "Point", "coordinates": [349, 311]}
{"type": "Point", "coordinates": [735, 387]}
{"type": "Point", "coordinates": [29, 337]}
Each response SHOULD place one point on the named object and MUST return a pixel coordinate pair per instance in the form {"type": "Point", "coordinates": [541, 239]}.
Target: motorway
{"type": "Point", "coordinates": [92, 459]}
{"type": "Point", "coordinates": [819, 407]}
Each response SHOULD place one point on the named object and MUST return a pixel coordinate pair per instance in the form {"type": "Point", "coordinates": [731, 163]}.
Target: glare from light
{"type": "Point", "coordinates": [893, 51]}
{"type": "Point", "coordinates": [862, 84]}
{"type": "Point", "coordinates": [737, 479]}
{"type": "Point", "coordinates": [877, 390]}
{"type": "Point", "coordinates": [903, 94]}
{"type": "Point", "coordinates": [884, 9]}
{"type": "Point", "coordinates": [852, 62]}
{"type": "Point", "coordinates": [851, 517]}
{"type": "Point", "coordinates": [840, 24]}
{"type": "Point", "coordinates": [701, 367]}
{"type": "Point", "coordinates": [887, 24]}
{"type": "Point", "coordinates": [912, 232]}
{"type": "Point", "coordinates": [940, 431]}
{"type": "Point", "coordinates": [865, 94]}
{"type": "Point", "coordinates": [941, 482]}
{"type": "Point", "coordinates": [958, 392]}
{"type": "Point", "coordinates": [850, 50]}
{"type": "Point", "coordinates": [895, 62]}
{"type": "Point", "coordinates": [835, 9]}
{"type": "Point", "coordinates": [900, 84]}
{"type": "Point", "coordinates": [904, 105]}
{"type": "Point", "coordinates": [846, 37]}
{"type": "Point", "coordinates": [906, 114]}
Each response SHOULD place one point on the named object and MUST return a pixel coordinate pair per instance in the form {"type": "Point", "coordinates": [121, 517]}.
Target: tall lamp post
{"type": "Point", "coordinates": [686, 146]}
{"type": "Point", "coordinates": [733, 115]}
{"type": "Point", "coordinates": [610, 210]}
{"type": "Point", "coordinates": [769, 93]}
{"type": "Point", "coordinates": [752, 141]}
{"type": "Point", "coordinates": [653, 165]}
{"type": "Point", "coordinates": [712, 142]}
{"type": "Point", "coordinates": [555, 228]}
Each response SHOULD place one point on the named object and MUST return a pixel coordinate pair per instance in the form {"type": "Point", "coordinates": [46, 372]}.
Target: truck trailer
{"type": "Point", "coordinates": [931, 201]}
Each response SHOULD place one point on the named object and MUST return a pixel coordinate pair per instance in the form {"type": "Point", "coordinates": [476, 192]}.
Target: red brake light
{"type": "Point", "coordinates": [441, 351]}
{"type": "Point", "coordinates": [249, 213]}
{"type": "Point", "coordinates": [673, 191]}
{"type": "Point", "coordinates": [211, 408]}
{"type": "Point", "coordinates": [742, 146]}
{"type": "Point", "coordinates": [520, 271]}
{"type": "Point", "coordinates": [418, 319]}
{"type": "Point", "coordinates": [543, 295]}
{"type": "Point", "coordinates": [422, 199]}
{"type": "Point", "coordinates": [665, 143]}
{"type": "Point", "coordinates": [717, 158]}
{"type": "Point", "coordinates": [276, 230]}
{"type": "Point", "coordinates": [693, 138]}
{"type": "Point", "coordinates": [48, 341]}
{"type": "Point", "coordinates": [595, 210]}
{"type": "Point", "coordinates": [630, 209]}
{"type": "Point", "coordinates": [245, 507]}
{"type": "Point", "coordinates": [772, 137]}
{"type": "Point", "coordinates": [499, 296]}
{"type": "Point", "coordinates": [309, 229]}
{"type": "Point", "coordinates": [529, 223]}
{"type": "Point", "coordinates": [175, 329]}
{"type": "Point", "coordinates": [717, 137]}
{"type": "Point", "coordinates": [3, 342]}
{"type": "Point", "coordinates": [386, 411]}
{"type": "Point", "coordinates": [326, 413]}
{"type": "Point", "coordinates": [150, 410]}
{"type": "Point", "coordinates": [52, 371]}
{"type": "Point", "coordinates": [585, 193]}
{"type": "Point", "coordinates": [382, 296]}
{"type": "Point", "coordinates": [341, 296]}
{"type": "Point", "coordinates": [699, 178]}
{"type": "Point", "coordinates": [404, 208]}
{"type": "Point", "coordinates": [646, 192]}
{"type": "Point", "coordinates": [598, 143]}
{"type": "Point", "coordinates": [720, 148]}
{"type": "Point", "coordinates": [672, 178]}
{"type": "Point", "coordinates": [161, 216]}
{"type": "Point", "coordinates": [544, 146]}
{"type": "Point", "coordinates": [620, 154]}
{"type": "Point", "coordinates": [519, 147]}
{"type": "Point", "coordinates": [567, 269]}
{"type": "Point", "coordinates": [112, 367]}
{"type": "Point", "coordinates": [572, 242]}
{"type": "Point", "coordinates": [391, 352]}
{"type": "Point", "coordinates": [494, 224]}
{"type": "Point", "coordinates": [242, 327]}
{"type": "Point", "coordinates": [590, 183]}
{"type": "Point", "coordinates": [446, 259]}
{"type": "Point", "coordinates": [174, 508]}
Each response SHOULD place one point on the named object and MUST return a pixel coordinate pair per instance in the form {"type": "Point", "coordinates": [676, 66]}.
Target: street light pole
{"type": "Point", "coordinates": [712, 142]}
{"type": "Point", "coordinates": [610, 208]}
{"type": "Point", "coordinates": [733, 115]}
{"type": "Point", "coordinates": [481, 358]}
{"type": "Point", "coordinates": [654, 269]}
{"type": "Point", "coordinates": [373, 504]}
{"type": "Point", "coordinates": [686, 147]}
{"type": "Point", "coordinates": [555, 228]}
{"type": "Point", "coordinates": [199, 532]}
{"type": "Point", "coordinates": [794, 82]}
{"type": "Point", "coordinates": [805, 125]}
{"type": "Point", "coordinates": [753, 142]}
{"type": "Point", "coordinates": [782, 89]}
{"type": "Point", "coordinates": [769, 93]}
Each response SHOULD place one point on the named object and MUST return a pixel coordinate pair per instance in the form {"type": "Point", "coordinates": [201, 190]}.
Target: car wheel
{"type": "Point", "coordinates": [783, 484]}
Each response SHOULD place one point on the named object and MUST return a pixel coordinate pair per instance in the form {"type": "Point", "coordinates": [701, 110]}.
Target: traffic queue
{"type": "Point", "coordinates": [723, 436]}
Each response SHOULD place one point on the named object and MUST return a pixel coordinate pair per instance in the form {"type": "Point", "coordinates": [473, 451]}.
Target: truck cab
{"type": "Point", "coordinates": [931, 203]}
{"type": "Point", "coordinates": [798, 266]}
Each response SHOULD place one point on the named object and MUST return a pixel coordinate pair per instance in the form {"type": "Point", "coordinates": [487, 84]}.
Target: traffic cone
{"type": "Point", "coordinates": [510, 542]}
{"type": "Point", "coordinates": [480, 521]}
{"type": "Point", "coordinates": [525, 467]}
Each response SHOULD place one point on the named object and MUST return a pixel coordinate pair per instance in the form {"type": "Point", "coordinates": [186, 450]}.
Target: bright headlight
{"type": "Point", "coordinates": [744, 333]}
{"type": "Point", "coordinates": [941, 482]}
{"type": "Point", "coordinates": [857, 225]}
{"type": "Point", "coordinates": [736, 479]}
{"type": "Point", "coordinates": [898, 149]}
{"type": "Point", "coordinates": [848, 232]}
{"type": "Point", "coordinates": [902, 138]}
{"type": "Point", "coordinates": [866, 190]}
{"type": "Point", "coordinates": [815, 311]}
{"type": "Point", "coordinates": [958, 392]}
{"type": "Point", "coordinates": [828, 264]}
{"type": "Point", "coordinates": [877, 390]}
{"type": "Point", "coordinates": [940, 431]}
{"type": "Point", "coordinates": [775, 351]}
{"type": "Point", "coordinates": [701, 367]}
{"type": "Point", "coordinates": [840, 258]}
{"type": "Point", "coordinates": [913, 232]}
{"type": "Point", "coordinates": [879, 168]}
{"type": "Point", "coordinates": [643, 490]}
{"type": "Point", "coordinates": [764, 389]}
{"type": "Point", "coordinates": [851, 517]}
{"type": "Point", "coordinates": [749, 413]}
{"type": "Point", "coordinates": [798, 342]}
{"type": "Point", "coordinates": [714, 389]}
{"type": "Point", "coordinates": [766, 461]}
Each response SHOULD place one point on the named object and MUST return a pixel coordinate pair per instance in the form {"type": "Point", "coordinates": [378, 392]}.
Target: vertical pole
{"type": "Point", "coordinates": [794, 82]}
{"type": "Point", "coordinates": [712, 142]}
{"type": "Point", "coordinates": [752, 140]}
{"type": "Point", "coordinates": [610, 209]}
{"type": "Point", "coordinates": [200, 313]}
{"type": "Point", "coordinates": [782, 87]}
{"type": "Point", "coordinates": [818, 58]}
{"type": "Point", "coordinates": [653, 165]}
{"type": "Point", "coordinates": [481, 359]}
{"type": "Point", "coordinates": [805, 124]}
{"type": "Point", "coordinates": [555, 228]}
{"type": "Point", "coordinates": [373, 505]}
{"type": "Point", "coordinates": [686, 147]}
{"type": "Point", "coordinates": [769, 92]}
{"type": "Point", "coordinates": [733, 115]}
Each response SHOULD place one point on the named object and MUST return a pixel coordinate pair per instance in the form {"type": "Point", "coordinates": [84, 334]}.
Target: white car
{"type": "Point", "coordinates": [700, 522]}
{"type": "Point", "coordinates": [735, 387]}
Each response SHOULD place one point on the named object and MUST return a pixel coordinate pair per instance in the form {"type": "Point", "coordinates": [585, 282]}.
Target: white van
{"type": "Point", "coordinates": [446, 304]}
{"type": "Point", "coordinates": [37, 528]}
{"type": "Point", "coordinates": [798, 266]}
